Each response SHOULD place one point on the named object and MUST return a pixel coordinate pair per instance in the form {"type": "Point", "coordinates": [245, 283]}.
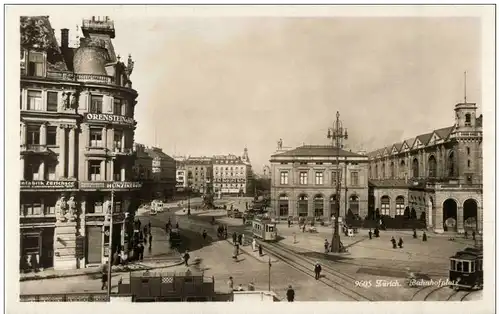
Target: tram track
{"type": "Point", "coordinates": [340, 282]}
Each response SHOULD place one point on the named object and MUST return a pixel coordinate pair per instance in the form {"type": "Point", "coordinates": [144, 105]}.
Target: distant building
{"type": "Point", "coordinates": [198, 174]}
{"type": "Point", "coordinates": [304, 180]}
{"type": "Point", "coordinates": [438, 175]}
{"type": "Point", "coordinates": [232, 174]}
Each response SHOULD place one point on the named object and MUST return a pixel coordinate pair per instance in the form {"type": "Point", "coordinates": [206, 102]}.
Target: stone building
{"type": "Point", "coordinates": [77, 130]}
{"type": "Point", "coordinates": [304, 180]}
{"type": "Point", "coordinates": [232, 174]}
{"type": "Point", "coordinates": [437, 174]}
{"type": "Point", "coordinates": [198, 174]}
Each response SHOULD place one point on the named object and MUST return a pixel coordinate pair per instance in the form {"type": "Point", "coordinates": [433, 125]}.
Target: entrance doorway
{"type": "Point", "coordinates": [93, 246]}
{"type": "Point", "coordinates": [450, 215]}
{"type": "Point", "coordinates": [302, 205]}
{"type": "Point", "coordinates": [470, 214]}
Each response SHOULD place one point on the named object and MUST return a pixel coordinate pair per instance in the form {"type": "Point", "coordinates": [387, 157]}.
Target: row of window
{"type": "Point", "coordinates": [318, 163]}
{"type": "Point", "coordinates": [318, 204]}
{"type": "Point", "coordinates": [38, 206]}
{"type": "Point", "coordinates": [318, 177]}
{"type": "Point", "coordinates": [228, 174]}
{"type": "Point", "coordinates": [35, 103]}
{"type": "Point", "coordinates": [224, 185]}
{"type": "Point", "coordinates": [96, 138]}
{"type": "Point", "coordinates": [385, 205]}
{"type": "Point", "coordinates": [230, 168]}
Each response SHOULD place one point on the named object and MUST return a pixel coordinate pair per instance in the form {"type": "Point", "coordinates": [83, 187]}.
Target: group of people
{"type": "Point", "coordinates": [168, 225]}
{"type": "Point", "coordinates": [222, 232]}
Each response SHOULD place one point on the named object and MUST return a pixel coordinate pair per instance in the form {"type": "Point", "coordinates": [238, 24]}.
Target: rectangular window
{"type": "Point", "coordinates": [51, 101]}
{"type": "Point", "coordinates": [35, 100]}
{"type": "Point", "coordinates": [49, 204]}
{"type": "Point", "coordinates": [117, 107]}
{"type": "Point", "coordinates": [319, 178]}
{"type": "Point", "coordinates": [52, 135]}
{"type": "Point", "coordinates": [400, 209]}
{"type": "Point", "coordinates": [35, 64]}
{"type": "Point", "coordinates": [284, 177]}
{"type": "Point", "coordinates": [96, 138]}
{"type": "Point", "coordinates": [384, 209]}
{"type": "Point", "coordinates": [117, 140]}
{"type": "Point", "coordinates": [94, 170]}
{"type": "Point", "coordinates": [334, 177]}
{"type": "Point", "coordinates": [354, 178]}
{"type": "Point", "coordinates": [33, 207]}
{"type": "Point", "coordinates": [116, 172]}
{"type": "Point", "coordinates": [33, 135]}
{"type": "Point", "coordinates": [96, 104]}
{"type": "Point", "coordinates": [303, 177]}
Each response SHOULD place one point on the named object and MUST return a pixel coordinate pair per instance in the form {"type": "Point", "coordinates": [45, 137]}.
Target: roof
{"type": "Point", "coordinates": [317, 151]}
{"type": "Point", "coordinates": [425, 138]}
{"type": "Point", "coordinates": [156, 153]}
{"type": "Point", "coordinates": [388, 183]}
{"type": "Point", "coordinates": [444, 132]}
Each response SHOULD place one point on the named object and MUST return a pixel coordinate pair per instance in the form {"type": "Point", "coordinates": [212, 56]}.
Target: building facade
{"type": "Point", "coordinates": [232, 174]}
{"type": "Point", "coordinates": [437, 174]}
{"type": "Point", "coordinates": [163, 173]}
{"type": "Point", "coordinates": [304, 182]}
{"type": "Point", "coordinates": [77, 130]}
{"type": "Point", "coordinates": [198, 174]}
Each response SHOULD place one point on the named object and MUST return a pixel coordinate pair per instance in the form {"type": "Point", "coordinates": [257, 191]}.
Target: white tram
{"type": "Point", "coordinates": [264, 229]}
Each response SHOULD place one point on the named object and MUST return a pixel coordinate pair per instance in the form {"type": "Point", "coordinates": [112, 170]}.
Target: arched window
{"type": "Point", "coordinates": [400, 206]}
{"type": "Point", "coordinates": [402, 169]}
{"type": "Point", "coordinates": [283, 205]}
{"type": "Point", "coordinates": [318, 205]}
{"type": "Point", "coordinates": [354, 204]}
{"type": "Point", "coordinates": [385, 205]}
{"type": "Point", "coordinates": [432, 167]}
{"type": "Point", "coordinates": [451, 164]}
{"type": "Point", "coordinates": [467, 119]}
{"type": "Point", "coordinates": [414, 167]}
{"type": "Point", "coordinates": [392, 170]}
{"type": "Point", "coordinates": [302, 205]}
{"type": "Point", "coordinates": [376, 172]}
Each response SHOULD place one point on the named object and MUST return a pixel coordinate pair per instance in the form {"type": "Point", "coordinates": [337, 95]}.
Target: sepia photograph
{"type": "Point", "coordinates": [251, 154]}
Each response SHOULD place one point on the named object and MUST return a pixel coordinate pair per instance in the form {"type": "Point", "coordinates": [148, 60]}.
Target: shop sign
{"type": "Point", "coordinates": [118, 185]}
{"type": "Point", "coordinates": [48, 184]}
{"type": "Point", "coordinates": [230, 190]}
{"type": "Point", "coordinates": [105, 117]}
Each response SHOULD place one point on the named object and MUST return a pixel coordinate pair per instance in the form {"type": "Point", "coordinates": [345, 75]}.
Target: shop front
{"type": "Point", "coordinates": [37, 248]}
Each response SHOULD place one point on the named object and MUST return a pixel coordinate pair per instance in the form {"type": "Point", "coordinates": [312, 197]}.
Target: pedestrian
{"type": "Point", "coordinates": [289, 222]}
{"type": "Point", "coordinates": [290, 294]}
{"type": "Point", "coordinates": [150, 239]}
{"type": "Point", "coordinates": [317, 271]}
{"type": "Point", "coordinates": [466, 235]}
{"type": "Point", "coordinates": [116, 258]}
{"type": "Point", "coordinates": [294, 238]}
{"type": "Point", "coordinates": [474, 235]}
{"type": "Point", "coordinates": [400, 243]}
{"type": "Point", "coordinates": [145, 230]}
{"type": "Point", "coordinates": [244, 220]}
{"type": "Point", "coordinates": [34, 262]}
{"type": "Point", "coordinates": [230, 284]}
{"type": "Point", "coordinates": [186, 258]}
{"type": "Point", "coordinates": [424, 237]}
{"type": "Point", "coordinates": [234, 237]}
{"type": "Point", "coordinates": [377, 233]}
{"type": "Point", "coordinates": [141, 251]}
{"type": "Point", "coordinates": [326, 244]}
{"type": "Point", "coordinates": [124, 257]}
{"type": "Point", "coordinates": [144, 238]}
{"type": "Point", "coordinates": [254, 244]}
{"type": "Point", "coordinates": [370, 234]}
{"type": "Point", "coordinates": [393, 243]}
{"type": "Point", "coordinates": [304, 227]}
{"type": "Point", "coordinates": [414, 233]}
{"type": "Point", "coordinates": [251, 286]}
{"type": "Point", "coordinates": [177, 225]}
{"type": "Point", "coordinates": [240, 239]}
{"type": "Point", "coordinates": [260, 250]}
{"type": "Point", "coordinates": [104, 277]}
{"type": "Point", "coordinates": [149, 226]}
{"type": "Point", "coordinates": [204, 234]}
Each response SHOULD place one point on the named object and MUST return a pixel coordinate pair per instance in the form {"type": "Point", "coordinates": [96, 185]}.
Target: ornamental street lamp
{"type": "Point", "coordinates": [337, 133]}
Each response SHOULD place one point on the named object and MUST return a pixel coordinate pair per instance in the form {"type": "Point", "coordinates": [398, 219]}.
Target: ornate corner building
{"type": "Point", "coordinates": [232, 174]}
{"type": "Point", "coordinates": [77, 133]}
{"type": "Point", "coordinates": [438, 175]}
{"type": "Point", "coordinates": [304, 182]}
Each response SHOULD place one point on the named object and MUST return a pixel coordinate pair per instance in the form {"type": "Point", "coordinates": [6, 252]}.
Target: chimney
{"type": "Point", "coordinates": [64, 38]}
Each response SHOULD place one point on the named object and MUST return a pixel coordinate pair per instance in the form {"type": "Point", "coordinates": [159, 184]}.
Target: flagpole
{"type": "Point", "coordinates": [110, 250]}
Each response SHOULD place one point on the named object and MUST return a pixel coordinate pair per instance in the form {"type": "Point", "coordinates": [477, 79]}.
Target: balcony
{"type": "Point", "coordinates": [79, 77]}
{"type": "Point", "coordinates": [34, 149]}
{"type": "Point", "coordinates": [96, 151]}
{"type": "Point", "coordinates": [122, 151]}
{"type": "Point", "coordinates": [110, 185]}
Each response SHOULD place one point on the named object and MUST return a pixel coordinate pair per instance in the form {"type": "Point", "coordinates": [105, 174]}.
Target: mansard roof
{"type": "Point", "coordinates": [317, 151]}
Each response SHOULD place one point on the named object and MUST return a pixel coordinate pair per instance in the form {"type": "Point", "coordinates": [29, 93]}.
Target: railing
{"type": "Point", "coordinates": [69, 297]}
{"type": "Point", "coordinates": [125, 151]}
{"type": "Point", "coordinates": [70, 76]}
{"type": "Point", "coordinates": [34, 147]}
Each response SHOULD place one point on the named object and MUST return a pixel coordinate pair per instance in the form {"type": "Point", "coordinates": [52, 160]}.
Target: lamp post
{"type": "Point", "coordinates": [110, 249]}
{"type": "Point", "coordinates": [269, 278]}
{"type": "Point", "coordinates": [337, 133]}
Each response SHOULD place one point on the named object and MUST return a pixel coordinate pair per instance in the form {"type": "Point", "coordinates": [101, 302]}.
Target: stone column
{"type": "Point", "coordinates": [41, 170]}
{"type": "Point", "coordinates": [22, 166]}
{"type": "Point", "coordinates": [43, 134]}
{"type": "Point", "coordinates": [71, 153]}
{"type": "Point", "coordinates": [479, 220]}
{"type": "Point", "coordinates": [23, 133]}
{"type": "Point", "coordinates": [103, 170]}
{"type": "Point", "coordinates": [83, 211]}
{"type": "Point", "coordinates": [112, 169]}
{"type": "Point", "coordinates": [104, 137]}
{"type": "Point", "coordinates": [122, 141]}
{"type": "Point", "coordinates": [62, 152]}
{"type": "Point", "coordinates": [429, 213]}
{"type": "Point", "coordinates": [438, 210]}
{"type": "Point", "coordinates": [122, 173]}
{"type": "Point", "coordinates": [326, 207]}
{"type": "Point", "coordinates": [460, 219]}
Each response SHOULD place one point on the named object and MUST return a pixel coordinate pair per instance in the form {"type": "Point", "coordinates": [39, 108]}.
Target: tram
{"type": "Point", "coordinates": [264, 228]}
{"type": "Point", "coordinates": [466, 269]}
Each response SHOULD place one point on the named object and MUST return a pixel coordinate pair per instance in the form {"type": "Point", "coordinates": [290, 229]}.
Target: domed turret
{"type": "Point", "coordinates": [90, 60]}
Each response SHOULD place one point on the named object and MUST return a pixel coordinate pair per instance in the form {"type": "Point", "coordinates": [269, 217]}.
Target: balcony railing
{"type": "Point", "coordinates": [123, 151]}
{"type": "Point", "coordinates": [34, 148]}
{"type": "Point", "coordinates": [78, 77]}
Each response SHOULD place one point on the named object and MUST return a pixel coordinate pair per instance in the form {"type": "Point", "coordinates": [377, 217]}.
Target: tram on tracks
{"type": "Point", "coordinates": [264, 228]}
{"type": "Point", "coordinates": [466, 269]}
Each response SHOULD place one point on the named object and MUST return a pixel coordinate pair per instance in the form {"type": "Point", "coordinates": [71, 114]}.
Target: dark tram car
{"type": "Point", "coordinates": [466, 269]}
{"type": "Point", "coordinates": [175, 238]}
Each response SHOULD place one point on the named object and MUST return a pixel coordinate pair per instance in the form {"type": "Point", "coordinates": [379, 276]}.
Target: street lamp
{"type": "Point", "coordinates": [337, 133]}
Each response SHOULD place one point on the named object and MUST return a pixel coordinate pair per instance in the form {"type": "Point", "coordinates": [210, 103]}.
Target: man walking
{"type": "Point", "coordinates": [290, 294]}
{"type": "Point", "coordinates": [186, 258]}
{"type": "Point", "coordinates": [317, 271]}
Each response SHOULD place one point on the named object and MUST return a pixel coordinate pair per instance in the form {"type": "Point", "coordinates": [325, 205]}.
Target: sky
{"type": "Point", "coordinates": [215, 85]}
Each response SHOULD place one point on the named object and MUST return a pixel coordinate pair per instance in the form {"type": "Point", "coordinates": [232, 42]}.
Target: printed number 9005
{"type": "Point", "coordinates": [363, 283]}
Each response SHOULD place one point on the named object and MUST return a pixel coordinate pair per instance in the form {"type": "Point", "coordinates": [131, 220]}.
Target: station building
{"type": "Point", "coordinates": [437, 174]}
{"type": "Point", "coordinates": [77, 133]}
{"type": "Point", "coordinates": [304, 182]}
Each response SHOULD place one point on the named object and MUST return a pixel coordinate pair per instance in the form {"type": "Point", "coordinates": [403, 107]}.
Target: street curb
{"type": "Point", "coordinates": [95, 273]}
